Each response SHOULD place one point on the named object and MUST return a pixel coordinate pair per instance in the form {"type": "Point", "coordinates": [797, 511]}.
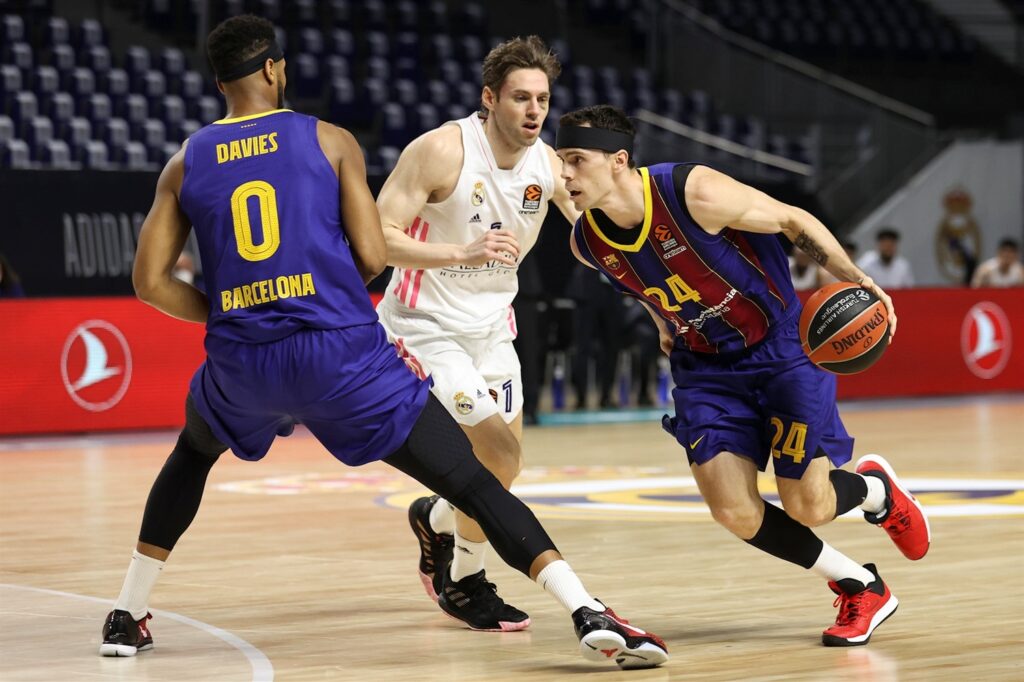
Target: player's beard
{"type": "Point", "coordinates": [280, 95]}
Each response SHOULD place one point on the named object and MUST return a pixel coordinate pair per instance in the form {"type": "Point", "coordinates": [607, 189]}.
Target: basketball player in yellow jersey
{"type": "Point", "coordinates": [462, 207]}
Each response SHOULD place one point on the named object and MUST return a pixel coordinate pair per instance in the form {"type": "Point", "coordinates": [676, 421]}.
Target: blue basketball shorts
{"type": "Point", "coordinates": [767, 402]}
{"type": "Point", "coordinates": [347, 386]}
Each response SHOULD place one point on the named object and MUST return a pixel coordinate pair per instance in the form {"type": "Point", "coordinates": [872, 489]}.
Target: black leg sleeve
{"type": "Point", "coordinates": [175, 496]}
{"type": "Point", "coordinates": [782, 537]}
{"type": "Point", "coordinates": [851, 490]}
{"type": "Point", "coordinates": [438, 455]}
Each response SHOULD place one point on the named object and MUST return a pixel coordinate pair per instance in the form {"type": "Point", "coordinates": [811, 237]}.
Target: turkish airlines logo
{"type": "Point", "coordinates": [985, 340]}
{"type": "Point", "coordinates": [96, 365]}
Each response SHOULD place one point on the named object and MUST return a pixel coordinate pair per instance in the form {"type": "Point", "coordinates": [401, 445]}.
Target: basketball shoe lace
{"type": "Point", "coordinates": [849, 607]}
{"type": "Point", "coordinates": [898, 521]}
{"type": "Point", "coordinates": [622, 621]}
{"type": "Point", "coordinates": [484, 594]}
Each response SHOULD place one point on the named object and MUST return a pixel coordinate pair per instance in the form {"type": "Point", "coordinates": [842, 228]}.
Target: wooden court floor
{"type": "Point", "coordinates": [298, 568]}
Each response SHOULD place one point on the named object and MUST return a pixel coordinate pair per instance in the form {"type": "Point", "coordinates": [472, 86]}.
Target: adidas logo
{"type": "Point", "coordinates": [479, 393]}
{"type": "Point", "coordinates": [475, 218]}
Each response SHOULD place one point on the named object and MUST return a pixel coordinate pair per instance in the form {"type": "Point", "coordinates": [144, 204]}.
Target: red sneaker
{"type": "Point", "coordinates": [903, 517]}
{"type": "Point", "coordinates": [861, 610]}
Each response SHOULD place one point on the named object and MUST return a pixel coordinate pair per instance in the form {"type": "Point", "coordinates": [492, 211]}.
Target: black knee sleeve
{"type": "Point", "coordinates": [510, 526]}
{"type": "Point", "coordinates": [851, 490]}
{"type": "Point", "coordinates": [175, 496]}
{"type": "Point", "coordinates": [438, 454]}
{"type": "Point", "coordinates": [782, 537]}
{"type": "Point", "coordinates": [198, 434]}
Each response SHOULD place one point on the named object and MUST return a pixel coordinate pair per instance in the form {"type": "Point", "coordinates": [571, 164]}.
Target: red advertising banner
{"type": "Point", "coordinates": [101, 364]}
{"type": "Point", "coordinates": [948, 341]}
{"type": "Point", "coordinates": [93, 364]}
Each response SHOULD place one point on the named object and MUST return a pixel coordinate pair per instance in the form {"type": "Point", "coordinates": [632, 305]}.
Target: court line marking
{"type": "Point", "coordinates": [262, 668]}
{"type": "Point", "coordinates": [916, 485]}
{"type": "Point", "coordinates": [30, 442]}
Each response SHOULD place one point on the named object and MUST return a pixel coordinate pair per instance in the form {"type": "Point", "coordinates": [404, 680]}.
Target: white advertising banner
{"type": "Point", "coordinates": [962, 204]}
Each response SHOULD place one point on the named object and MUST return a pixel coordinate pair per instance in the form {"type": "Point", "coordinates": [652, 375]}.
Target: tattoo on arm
{"type": "Point", "coordinates": [812, 249]}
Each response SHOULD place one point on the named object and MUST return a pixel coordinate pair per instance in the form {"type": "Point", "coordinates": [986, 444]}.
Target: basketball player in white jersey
{"type": "Point", "coordinates": [462, 207]}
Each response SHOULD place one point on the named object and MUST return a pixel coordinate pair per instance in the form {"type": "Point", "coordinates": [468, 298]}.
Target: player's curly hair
{"type": "Point", "coordinates": [602, 116]}
{"type": "Point", "coordinates": [519, 53]}
{"type": "Point", "coordinates": [237, 39]}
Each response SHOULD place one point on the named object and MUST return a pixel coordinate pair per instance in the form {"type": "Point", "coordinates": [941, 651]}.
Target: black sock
{"type": "Point", "coordinates": [782, 537]}
{"type": "Point", "coordinates": [851, 490]}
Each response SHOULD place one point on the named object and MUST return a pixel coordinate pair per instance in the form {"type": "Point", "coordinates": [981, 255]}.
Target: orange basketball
{"type": "Point", "coordinates": [844, 328]}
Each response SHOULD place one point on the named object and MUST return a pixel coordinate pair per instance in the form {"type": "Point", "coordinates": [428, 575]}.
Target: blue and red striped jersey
{"type": "Point", "coordinates": [721, 292]}
{"type": "Point", "coordinates": [265, 205]}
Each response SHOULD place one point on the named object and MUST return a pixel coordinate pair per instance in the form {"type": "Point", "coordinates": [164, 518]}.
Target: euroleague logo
{"type": "Point", "coordinates": [96, 365]}
{"type": "Point", "coordinates": [531, 197]}
{"type": "Point", "coordinates": [985, 340]}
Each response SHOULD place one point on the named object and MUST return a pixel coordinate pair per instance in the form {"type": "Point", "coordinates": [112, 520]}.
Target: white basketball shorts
{"type": "Point", "coordinates": [473, 377]}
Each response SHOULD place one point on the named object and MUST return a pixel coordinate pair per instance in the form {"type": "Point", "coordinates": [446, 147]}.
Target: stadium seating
{"type": "Point", "coordinates": [814, 28]}
{"type": "Point", "coordinates": [388, 70]}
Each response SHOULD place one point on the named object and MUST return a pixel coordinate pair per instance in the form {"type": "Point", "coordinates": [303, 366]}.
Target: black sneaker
{"type": "Point", "coordinates": [475, 602]}
{"type": "Point", "coordinates": [435, 548]}
{"type": "Point", "coordinates": [604, 635]}
{"type": "Point", "coordinates": [125, 636]}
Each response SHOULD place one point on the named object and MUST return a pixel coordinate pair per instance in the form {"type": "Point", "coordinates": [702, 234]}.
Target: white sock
{"type": "Point", "coordinates": [875, 501]}
{"type": "Point", "coordinates": [835, 565]}
{"type": "Point", "coordinates": [442, 517]}
{"type": "Point", "coordinates": [468, 557]}
{"type": "Point", "coordinates": [560, 581]}
{"type": "Point", "coordinates": [138, 583]}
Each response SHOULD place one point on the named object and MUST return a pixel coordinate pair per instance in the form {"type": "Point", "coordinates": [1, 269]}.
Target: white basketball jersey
{"type": "Point", "coordinates": [471, 299]}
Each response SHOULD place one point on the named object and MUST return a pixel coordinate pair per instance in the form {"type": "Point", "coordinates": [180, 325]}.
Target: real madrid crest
{"type": "Point", "coordinates": [958, 240]}
{"type": "Point", "coordinates": [477, 197]}
{"type": "Point", "coordinates": [463, 403]}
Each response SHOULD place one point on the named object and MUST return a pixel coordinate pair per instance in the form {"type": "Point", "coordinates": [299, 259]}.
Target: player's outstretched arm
{"type": "Point", "coordinates": [427, 170]}
{"type": "Point", "coordinates": [717, 201]}
{"type": "Point", "coordinates": [161, 240]}
{"type": "Point", "coordinates": [358, 211]}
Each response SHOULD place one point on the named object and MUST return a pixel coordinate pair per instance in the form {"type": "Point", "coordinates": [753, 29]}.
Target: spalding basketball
{"type": "Point", "coordinates": [844, 328]}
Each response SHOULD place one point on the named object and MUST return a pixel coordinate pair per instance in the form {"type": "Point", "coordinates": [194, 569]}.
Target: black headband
{"type": "Point", "coordinates": [593, 138]}
{"type": "Point", "coordinates": [252, 65]}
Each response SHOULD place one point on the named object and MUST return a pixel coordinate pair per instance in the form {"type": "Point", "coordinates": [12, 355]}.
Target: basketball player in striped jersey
{"type": "Point", "coordinates": [462, 207]}
{"type": "Point", "coordinates": [291, 337]}
{"type": "Point", "coordinates": [700, 250]}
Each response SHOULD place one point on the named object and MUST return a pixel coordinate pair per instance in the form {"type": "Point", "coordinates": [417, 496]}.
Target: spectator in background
{"type": "Point", "coordinates": [884, 264]}
{"type": "Point", "coordinates": [826, 277]}
{"type": "Point", "coordinates": [10, 283]}
{"type": "Point", "coordinates": [1002, 270]}
{"type": "Point", "coordinates": [530, 341]}
{"type": "Point", "coordinates": [644, 346]}
{"type": "Point", "coordinates": [805, 273]}
{"type": "Point", "coordinates": [598, 333]}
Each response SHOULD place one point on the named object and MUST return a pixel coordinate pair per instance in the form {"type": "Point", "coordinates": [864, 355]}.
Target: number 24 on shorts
{"type": "Point", "coordinates": [793, 444]}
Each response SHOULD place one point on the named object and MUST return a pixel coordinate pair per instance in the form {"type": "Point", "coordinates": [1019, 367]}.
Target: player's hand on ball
{"type": "Point", "coordinates": [870, 285]}
{"type": "Point", "coordinates": [493, 245]}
